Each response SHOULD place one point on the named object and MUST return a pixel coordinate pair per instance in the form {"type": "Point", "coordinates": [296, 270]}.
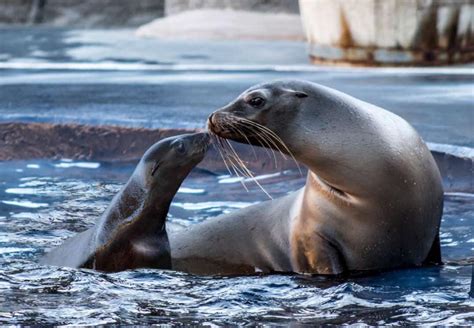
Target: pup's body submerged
{"type": "Point", "coordinates": [131, 233]}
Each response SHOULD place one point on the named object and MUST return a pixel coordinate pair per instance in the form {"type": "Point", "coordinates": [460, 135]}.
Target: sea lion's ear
{"type": "Point", "coordinates": [297, 94]}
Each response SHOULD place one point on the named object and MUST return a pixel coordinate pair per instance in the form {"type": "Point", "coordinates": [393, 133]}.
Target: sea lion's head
{"type": "Point", "coordinates": [259, 111]}
{"type": "Point", "coordinates": [170, 160]}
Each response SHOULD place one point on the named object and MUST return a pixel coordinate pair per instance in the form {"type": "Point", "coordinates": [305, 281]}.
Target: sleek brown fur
{"type": "Point", "coordinates": [132, 231]}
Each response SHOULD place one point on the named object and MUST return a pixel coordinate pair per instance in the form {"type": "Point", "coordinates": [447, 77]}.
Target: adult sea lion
{"type": "Point", "coordinates": [131, 233]}
{"type": "Point", "coordinates": [373, 197]}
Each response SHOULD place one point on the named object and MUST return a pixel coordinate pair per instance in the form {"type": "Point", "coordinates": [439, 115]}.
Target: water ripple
{"type": "Point", "coordinates": [77, 195]}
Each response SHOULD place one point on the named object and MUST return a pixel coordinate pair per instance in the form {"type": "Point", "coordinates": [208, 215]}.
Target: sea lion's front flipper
{"type": "Point", "coordinates": [141, 243]}
{"type": "Point", "coordinates": [434, 255]}
{"type": "Point", "coordinates": [315, 254]}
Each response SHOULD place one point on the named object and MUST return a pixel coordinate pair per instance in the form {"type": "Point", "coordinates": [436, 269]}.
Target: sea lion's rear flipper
{"type": "Point", "coordinates": [434, 255]}
{"type": "Point", "coordinates": [74, 252]}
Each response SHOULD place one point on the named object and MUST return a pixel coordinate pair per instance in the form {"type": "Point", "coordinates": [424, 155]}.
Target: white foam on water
{"type": "Point", "coordinates": [187, 190]}
{"type": "Point", "coordinates": [109, 65]}
{"type": "Point", "coordinates": [6, 250]}
{"type": "Point", "coordinates": [230, 179]}
{"type": "Point", "coordinates": [24, 203]}
{"type": "Point", "coordinates": [459, 151]}
{"type": "Point", "coordinates": [21, 191]}
{"type": "Point", "coordinates": [459, 194]}
{"type": "Point", "coordinates": [263, 177]}
{"type": "Point", "coordinates": [83, 165]}
{"type": "Point", "coordinates": [209, 205]}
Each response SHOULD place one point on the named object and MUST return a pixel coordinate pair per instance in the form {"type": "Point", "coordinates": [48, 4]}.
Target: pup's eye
{"type": "Point", "coordinates": [180, 148]}
{"type": "Point", "coordinates": [155, 167]}
{"type": "Point", "coordinates": [257, 102]}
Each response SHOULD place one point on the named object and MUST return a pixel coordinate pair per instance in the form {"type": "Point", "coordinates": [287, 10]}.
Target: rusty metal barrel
{"type": "Point", "coordinates": [389, 32]}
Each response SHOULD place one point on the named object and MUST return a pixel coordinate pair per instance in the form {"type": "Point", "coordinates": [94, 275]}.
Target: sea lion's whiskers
{"type": "Point", "coordinates": [269, 133]}
{"type": "Point", "coordinates": [236, 129]}
{"type": "Point", "coordinates": [236, 163]}
{"type": "Point", "coordinates": [249, 173]}
{"type": "Point", "coordinates": [277, 138]}
{"type": "Point", "coordinates": [241, 180]}
{"type": "Point", "coordinates": [236, 156]}
{"type": "Point", "coordinates": [216, 146]}
{"type": "Point", "coordinates": [233, 119]}
{"type": "Point", "coordinates": [264, 133]}
{"type": "Point", "coordinates": [235, 169]}
{"type": "Point", "coordinates": [233, 154]}
{"type": "Point", "coordinates": [262, 137]}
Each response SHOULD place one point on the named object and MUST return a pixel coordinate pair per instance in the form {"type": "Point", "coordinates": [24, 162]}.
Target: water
{"type": "Point", "coordinates": [111, 77]}
{"type": "Point", "coordinates": [43, 202]}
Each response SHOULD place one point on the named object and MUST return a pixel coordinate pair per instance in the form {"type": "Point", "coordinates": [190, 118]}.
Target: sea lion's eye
{"type": "Point", "coordinates": [180, 148]}
{"type": "Point", "coordinates": [257, 102]}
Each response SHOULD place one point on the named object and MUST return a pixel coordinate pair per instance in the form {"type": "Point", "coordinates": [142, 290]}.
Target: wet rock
{"type": "Point", "coordinates": [389, 32]}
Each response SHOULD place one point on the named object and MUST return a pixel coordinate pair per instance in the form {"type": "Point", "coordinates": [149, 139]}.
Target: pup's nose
{"type": "Point", "coordinates": [203, 138]}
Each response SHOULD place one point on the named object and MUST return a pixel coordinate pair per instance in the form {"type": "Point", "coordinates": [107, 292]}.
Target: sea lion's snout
{"type": "Point", "coordinates": [202, 141]}
{"type": "Point", "coordinates": [220, 123]}
{"type": "Point", "coordinates": [211, 124]}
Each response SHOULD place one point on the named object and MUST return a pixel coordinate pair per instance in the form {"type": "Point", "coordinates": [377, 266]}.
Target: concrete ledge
{"type": "Point", "coordinates": [389, 32]}
{"type": "Point", "coordinates": [23, 141]}
{"type": "Point", "coordinates": [225, 25]}
{"type": "Point", "coordinates": [320, 54]}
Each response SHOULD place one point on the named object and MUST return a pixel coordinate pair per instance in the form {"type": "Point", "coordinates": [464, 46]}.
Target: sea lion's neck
{"type": "Point", "coordinates": [156, 205]}
{"type": "Point", "coordinates": [125, 203]}
{"type": "Point", "coordinates": [342, 146]}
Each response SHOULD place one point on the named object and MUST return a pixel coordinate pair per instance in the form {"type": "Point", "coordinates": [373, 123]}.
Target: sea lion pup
{"type": "Point", "coordinates": [131, 233]}
{"type": "Point", "coordinates": [373, 197]}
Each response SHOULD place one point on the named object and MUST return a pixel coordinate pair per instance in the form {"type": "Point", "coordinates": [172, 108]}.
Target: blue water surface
{"type": "Point", "coordinates": [43, 202]}
{"type": "Point", "coordinates": [112, 77]}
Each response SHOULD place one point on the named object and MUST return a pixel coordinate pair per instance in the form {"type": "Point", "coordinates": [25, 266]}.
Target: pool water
{"type": "Point", "coordinates": [44, 202]}
{"type": "Point", "coordinates": [111, 77]}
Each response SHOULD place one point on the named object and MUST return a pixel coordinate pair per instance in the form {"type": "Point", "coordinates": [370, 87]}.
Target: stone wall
{"type": "Point", "coordinates": [81, 13]}
{"type": "Point", "coordinates": [404, 32]}
{"type": "Point", "coordinates": [276, 6]}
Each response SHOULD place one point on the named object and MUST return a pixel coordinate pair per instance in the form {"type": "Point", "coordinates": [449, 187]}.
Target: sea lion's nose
{"type": "Point", "coordinates": [210, 123]}
{"type": "Point", "coordinates": [203, 140]}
